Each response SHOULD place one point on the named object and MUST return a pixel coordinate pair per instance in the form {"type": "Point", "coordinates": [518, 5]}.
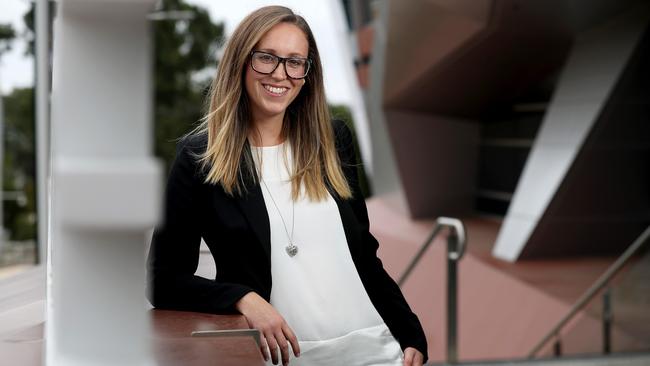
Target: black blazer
{"type": "Point", "coordinates": [236, 229]}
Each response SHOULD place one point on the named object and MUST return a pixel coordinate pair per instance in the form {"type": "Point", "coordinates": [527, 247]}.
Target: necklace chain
{"type": "Point", "coordinates": [291, 249]}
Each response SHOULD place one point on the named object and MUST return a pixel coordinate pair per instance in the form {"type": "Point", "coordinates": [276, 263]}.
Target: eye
{"type": "Point", "coordinates": [295, 63]}
{"type": "Point", "coordinates": [266, 58]}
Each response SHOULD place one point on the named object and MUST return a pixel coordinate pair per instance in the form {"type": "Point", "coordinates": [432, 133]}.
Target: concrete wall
{"type": "Point", "coordinates": [437, 162]}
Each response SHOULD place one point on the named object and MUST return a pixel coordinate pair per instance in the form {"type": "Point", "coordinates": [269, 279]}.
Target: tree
{"type": "Point", "coordinates": [7, 34]}
{"type": "Point", "coordinates": [184, 50]}
{"type": "Point", "coordinates": [18, 157]}
{"type": "Point", "coordinates": [30, 34]}
{"type": "Point", "coordinates": [19, 163]}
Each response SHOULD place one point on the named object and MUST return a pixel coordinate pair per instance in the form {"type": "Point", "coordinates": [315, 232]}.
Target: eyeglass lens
{"type": "Point", "coordinates": [266, 63]}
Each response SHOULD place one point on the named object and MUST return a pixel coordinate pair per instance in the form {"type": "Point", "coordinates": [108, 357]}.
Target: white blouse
{"type": "Point", "coordinates": [318, 291]}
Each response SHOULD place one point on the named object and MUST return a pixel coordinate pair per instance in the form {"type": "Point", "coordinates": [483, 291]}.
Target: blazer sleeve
{"type": "Point", "coordinates": [382, 290]}
{"type": "Point", "coordinates": [174, 254]}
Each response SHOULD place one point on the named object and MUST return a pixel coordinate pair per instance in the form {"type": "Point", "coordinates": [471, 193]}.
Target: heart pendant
{"type": "Point", "coordinates": [292, 250]}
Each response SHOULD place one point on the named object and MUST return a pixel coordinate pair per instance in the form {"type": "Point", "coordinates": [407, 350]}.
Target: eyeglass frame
{"type": "Point", "coordinates": [281, 60]}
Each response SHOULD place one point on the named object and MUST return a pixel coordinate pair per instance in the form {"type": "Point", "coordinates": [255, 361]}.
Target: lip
{"type": "Point", "coordinates": [276, 85]}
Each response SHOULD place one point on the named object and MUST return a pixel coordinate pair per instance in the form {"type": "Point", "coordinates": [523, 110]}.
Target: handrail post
{"type": "Point", "coordinates": [456, 242]}
{"type": "Point", "coordinates": [607, 321]}
{"type": "Point", "coordinates": [557, 346]}
{"type": "Point", "coordinates": [452, 297]}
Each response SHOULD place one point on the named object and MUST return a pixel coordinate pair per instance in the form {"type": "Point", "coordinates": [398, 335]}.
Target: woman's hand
{"type": "Point", "coordinates": [413, 357]}
{"type": "Point", "coordinates": [274, 329]}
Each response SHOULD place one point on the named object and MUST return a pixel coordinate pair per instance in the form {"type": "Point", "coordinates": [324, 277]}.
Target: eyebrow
{"type": "Point", "coordinates": [271, 50]}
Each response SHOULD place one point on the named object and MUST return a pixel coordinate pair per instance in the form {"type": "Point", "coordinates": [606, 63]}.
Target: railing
{"type": "Point", "coordinates": [600, 283]}
{"type": "Point", "coordinates": [456, 243]}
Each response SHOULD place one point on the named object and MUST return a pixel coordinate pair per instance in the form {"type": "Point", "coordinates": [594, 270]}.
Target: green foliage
{"type": "Point", "coordinates": [30, 35]}
{"type": "Point", "coordinates": [343, 113]}
{"type": "Point", "coordinates": [19, 164]}
{"type": "Point", "coordinates": [184, 50]}
{"type": "Point", "coordinates": [18, 155]}
{"type": "Point", "coordinates": [7, 34]}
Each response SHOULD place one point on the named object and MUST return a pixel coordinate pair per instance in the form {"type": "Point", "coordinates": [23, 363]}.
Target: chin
{"type": "Point", "coordinates": [274, 111]}
{"type": "Point", "coordinates": [273, 107]}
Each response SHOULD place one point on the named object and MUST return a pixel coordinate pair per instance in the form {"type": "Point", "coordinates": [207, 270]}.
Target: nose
{"type": "Point", "coordinates": [280, 74]}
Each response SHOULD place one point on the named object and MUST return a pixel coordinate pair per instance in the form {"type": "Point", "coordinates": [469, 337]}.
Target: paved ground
{"type": "Point", "coordinates": [504, 308]}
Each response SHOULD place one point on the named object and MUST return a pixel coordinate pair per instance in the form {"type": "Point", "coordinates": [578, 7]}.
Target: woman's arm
{"type": "Point", "coordinates": [174, 257]}
{"type": "Point", "coordinates": [174, 254]}
{"type": "Point", "coordinates": [382, 290]}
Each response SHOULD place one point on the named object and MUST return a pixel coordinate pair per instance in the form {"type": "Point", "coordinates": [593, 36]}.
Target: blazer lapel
{"type": "Point", "coordinates": [254, 209]}
{"type": "Point", "coordinates": [253, 206]}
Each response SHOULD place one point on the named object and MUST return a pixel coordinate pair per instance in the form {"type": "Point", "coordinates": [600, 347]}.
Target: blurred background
{"type": "Point", "coordinates": [527, 120]}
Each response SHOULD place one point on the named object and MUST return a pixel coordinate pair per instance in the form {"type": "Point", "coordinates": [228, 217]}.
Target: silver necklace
{"type": "Point", "coordinates": [291, 249]}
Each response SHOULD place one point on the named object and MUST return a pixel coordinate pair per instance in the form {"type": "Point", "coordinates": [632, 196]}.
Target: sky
{"type": "Point", "coordinates": [16, 70]}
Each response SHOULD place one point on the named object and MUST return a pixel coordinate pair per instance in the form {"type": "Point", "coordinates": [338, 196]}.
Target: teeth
{"type": "Point", "coordinates": [274, 89]}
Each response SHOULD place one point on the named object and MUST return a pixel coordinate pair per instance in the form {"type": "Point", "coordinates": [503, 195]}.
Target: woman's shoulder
{"type": "Point", "coordinates": [189, 152]}
{"type": "Point", "coordinates": [342, 134]}
{"type": "Point", "coordinates": [193, 143]}
{"type": "Point", "coordinates": [343, 139]}
{"type": "Point", "coordinates": [339, 127]}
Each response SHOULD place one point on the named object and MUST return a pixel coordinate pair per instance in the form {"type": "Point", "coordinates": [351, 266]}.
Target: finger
{"type": "Point", "coordinates": [284, 346]}
{"type": "Point", "coordinates": [273, 347]}
{"type": "Point", "coordinates": [291, 337]}
{"type": "Point", "coordinates": [264, 348]}
{"type": "Point", "coordinates": [408, 357]}
{"type": "Point", "coordinates": [419, 359]}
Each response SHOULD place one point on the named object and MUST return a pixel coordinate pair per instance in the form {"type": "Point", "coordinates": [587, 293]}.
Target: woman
{"type": "Point", "coordinates": [269, 182]}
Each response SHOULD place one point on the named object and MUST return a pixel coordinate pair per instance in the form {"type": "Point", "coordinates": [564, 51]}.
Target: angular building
{"type": "Point", "coordinates": [534, 111]}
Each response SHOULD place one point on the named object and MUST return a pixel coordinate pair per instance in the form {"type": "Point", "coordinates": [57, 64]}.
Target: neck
{"type": "Point", "coordinates": [267, 130]}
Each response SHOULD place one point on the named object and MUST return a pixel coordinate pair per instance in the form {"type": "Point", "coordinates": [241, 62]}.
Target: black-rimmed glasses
{"type": "Point", "coordinates": [266, 63]}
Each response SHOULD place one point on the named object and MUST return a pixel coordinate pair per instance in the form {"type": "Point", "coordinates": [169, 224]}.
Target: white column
{"type": "Point", "coordinates": [105, 184]}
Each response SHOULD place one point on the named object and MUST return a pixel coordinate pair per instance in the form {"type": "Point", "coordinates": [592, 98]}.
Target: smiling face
{"type": "Point", "coordinates": [271, 94]}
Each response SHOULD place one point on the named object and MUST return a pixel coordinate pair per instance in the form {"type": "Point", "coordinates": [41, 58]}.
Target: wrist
{"type": "Point", "coordinates": [241, 304]}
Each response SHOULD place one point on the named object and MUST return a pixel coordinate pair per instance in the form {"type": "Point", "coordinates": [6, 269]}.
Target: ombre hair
{"type": "Point", "coordinates": [307, 125]}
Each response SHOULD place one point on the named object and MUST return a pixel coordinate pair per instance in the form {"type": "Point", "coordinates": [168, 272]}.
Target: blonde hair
{"type": "Point", "coordinates": [307, 125]}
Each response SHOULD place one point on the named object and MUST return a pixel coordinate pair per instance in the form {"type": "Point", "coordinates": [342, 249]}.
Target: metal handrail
{"type": "Point", "coordinates": [456, 227]}
{"type": "Point", "coordinates": [456, 243]}
{"type": "Point", "coordinates": [593, 290]}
